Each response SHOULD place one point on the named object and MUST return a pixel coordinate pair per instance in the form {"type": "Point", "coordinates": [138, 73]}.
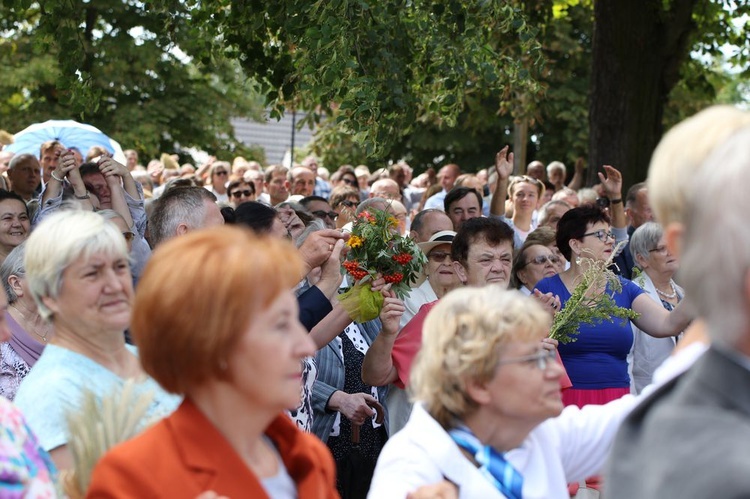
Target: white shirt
{"type": "Point", "coordinates": [436, 201]}
{"type": "Point", "coordinates": [564, 449]}
{"type": "Point", "coordinates": [413, 302]}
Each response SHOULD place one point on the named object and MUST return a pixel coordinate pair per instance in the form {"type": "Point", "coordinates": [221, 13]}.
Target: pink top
{"type": "Point", "coordinates": [409, 341]}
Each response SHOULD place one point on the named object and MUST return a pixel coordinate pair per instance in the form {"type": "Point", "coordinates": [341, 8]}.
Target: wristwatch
{"type": "Point", "coordinates": [85, 196]}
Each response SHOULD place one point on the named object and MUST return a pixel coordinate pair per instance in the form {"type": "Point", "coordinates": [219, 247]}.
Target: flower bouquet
{"type": "Point", "coordinates": [375, 247]}
{"type": "Point", "coordinates": [591, 301]}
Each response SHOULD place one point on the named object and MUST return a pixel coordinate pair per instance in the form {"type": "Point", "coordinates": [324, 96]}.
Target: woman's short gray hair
{"type": "Point", "coordinates": [716, 263]}
{"type": "Point", "coordinates": [464, 336]}
{"type": "Point", "coordinates": [61, 239]}
{"type": "Point", "coordinates": [13, 265]}
{"type": "Point", "coordinates": [644, 239]}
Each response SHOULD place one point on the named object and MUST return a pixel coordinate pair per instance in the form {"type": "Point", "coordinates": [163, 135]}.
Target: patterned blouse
{"type": "Point", "coordinates": [12, 371]}
{"type": "Point", "coordinates": [25, 469]}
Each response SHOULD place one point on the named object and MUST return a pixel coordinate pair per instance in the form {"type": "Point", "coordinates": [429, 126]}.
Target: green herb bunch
{"type": "Point", "coordinates": [591, 301]}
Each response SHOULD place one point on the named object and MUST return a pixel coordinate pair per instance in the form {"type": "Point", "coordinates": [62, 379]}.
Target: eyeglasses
{"type": "Point", "coordinates": [323, 214]}
{"type": "Point", "coordinates": [438, 256]}
{"type": "Point", "coordinates": [542, 259]}
{"type": "Point", "coordinates": [221, 172]}
{"type": "Point", "coordinates": [542, 358]}
{"type": "Point", "coordinates": [601, 234]}
{"type": "Point", "coordinates": [349, 181]}
{"type": "Point", "coordinates": [129, 236]}
{"type": "Point", "coordinates": [348, 204]}
{"type": "Point", "coordinates": [662, 250]}
{"type": "Point", "coordinates": [239, 194]}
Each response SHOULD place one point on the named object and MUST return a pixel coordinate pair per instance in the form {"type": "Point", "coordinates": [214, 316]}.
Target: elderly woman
{"type": "Point", "coordinates": [237, 370]}
{"type": "Point", "coordinates": [14, 222]}
{"type": "Point", "coordinates": [344, 201]}
{"type": "Point", "coordinates": [78, 273]}
{"type": "Point", "coordinates": [597, 361]}
{"type": "Point", "coordinates": [218, 176]}
{"type": "Point", "coordinates": [29, 332]}
{"type": "Point", "coordinates": [547, 237]}
{"type": "Point", "coordinates": [524, 193]}
{"type": "Point", "coordinates": [532, 263]}
{"type": "Point", "coordinates": [649, 249]}
{"type": "Point", "coordinates": [441, 277]}
{"type": "Point", "coordinates": [488, 416]}
{"type": "Point", "coordinates": [27, 470]}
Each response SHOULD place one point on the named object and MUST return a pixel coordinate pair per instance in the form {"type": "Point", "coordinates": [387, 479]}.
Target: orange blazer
{"type": "Point", "coordinates": [185, 455]}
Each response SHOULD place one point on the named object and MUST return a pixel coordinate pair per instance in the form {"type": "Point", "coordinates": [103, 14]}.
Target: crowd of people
{"type": "Point", "coordinates": [214, 288]}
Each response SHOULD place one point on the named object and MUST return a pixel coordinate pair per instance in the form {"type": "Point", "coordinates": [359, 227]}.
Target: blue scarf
{"type": "Point", "coordinates": [491, 463]}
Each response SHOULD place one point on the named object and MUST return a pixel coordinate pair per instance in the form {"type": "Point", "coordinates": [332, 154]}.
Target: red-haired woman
{"type": "Point", "coordinates": [238, 371]}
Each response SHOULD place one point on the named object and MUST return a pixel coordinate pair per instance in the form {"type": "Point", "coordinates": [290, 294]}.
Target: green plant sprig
{"type": "Point", "coordinates": [591, 301]}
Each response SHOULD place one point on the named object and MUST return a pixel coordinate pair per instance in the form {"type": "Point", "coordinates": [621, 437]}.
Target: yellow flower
{"type": "Point", "coordinates": [354, 242]}
{"type": "Point", "coordinates": [392, 221]}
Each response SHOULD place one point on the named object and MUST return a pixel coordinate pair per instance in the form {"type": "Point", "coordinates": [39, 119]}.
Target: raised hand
{"type": "Point", "coordinates": [504, 163]}
{"type": "Point", "coordinates": [612, 182]}
{"type": "Point", "coordinates": [109, 167]}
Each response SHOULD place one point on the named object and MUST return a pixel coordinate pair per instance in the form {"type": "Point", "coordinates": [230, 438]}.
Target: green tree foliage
{"type": "Point", "coordinates": [381, 69]}
{"type": "Point", "coordinates": [643, 55]}
{"type": "Point", "coordinates": [115, 65]}
{"type": "Point", "coordinates": [413, 79]}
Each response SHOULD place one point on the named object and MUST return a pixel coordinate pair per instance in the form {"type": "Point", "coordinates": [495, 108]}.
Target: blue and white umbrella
{"type": "Point", "coordinates": [70, 133]}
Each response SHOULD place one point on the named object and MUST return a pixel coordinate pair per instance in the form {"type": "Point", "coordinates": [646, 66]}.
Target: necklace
{"type": "Point", "coordinates": [33, 330]}
{"type": "Point", "coordinates": [668, 296]}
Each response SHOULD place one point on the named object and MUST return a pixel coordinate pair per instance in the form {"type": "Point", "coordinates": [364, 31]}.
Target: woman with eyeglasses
{"type": "Point", "coordinates": [344, 200]}
{"type": "Point", "coordinates": [240, 192]}
{"type": "Point", "coordinates": [597, 361]}
{"type": "Point", "coordinates": [218, 176]}
{"type": "Point", "coordinates": [345, 176]}
{"type": "Point", "coordinates": [489, 421]}
{"type": "Point", "coordinates": [658, 266]}
{"type": "Point", "coordinates": [532, 263]}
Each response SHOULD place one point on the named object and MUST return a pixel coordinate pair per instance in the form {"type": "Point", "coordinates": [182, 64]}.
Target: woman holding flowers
{"type": "Point", "coordinates": [344, 405]}
{"type": "Point", "coordinates": [595, 358]}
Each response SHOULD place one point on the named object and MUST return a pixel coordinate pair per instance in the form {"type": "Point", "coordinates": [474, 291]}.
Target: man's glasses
{"type": "Point", "coordinates": [239, 194]}
{"type": "Point", "coordinates": [221, 172]}
{"type": "Point", "coordinates": [601, 234]}
{"type": "Point", "coordinates": [438, 256]}
{"type": "Point", "coordinates": [323, 214]}
{"type": "Point", "coordinates": [543, 358]}
{"type": "Point", "coordinates": [542, 259]}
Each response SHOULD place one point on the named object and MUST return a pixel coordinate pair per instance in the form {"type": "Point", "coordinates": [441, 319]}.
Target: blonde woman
{"type": "Point", "coordinates": [489, 416]}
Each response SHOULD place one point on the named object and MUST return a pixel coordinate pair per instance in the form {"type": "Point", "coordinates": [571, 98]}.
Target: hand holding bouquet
{"type": "Point", "coordinates": [376, 249]}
